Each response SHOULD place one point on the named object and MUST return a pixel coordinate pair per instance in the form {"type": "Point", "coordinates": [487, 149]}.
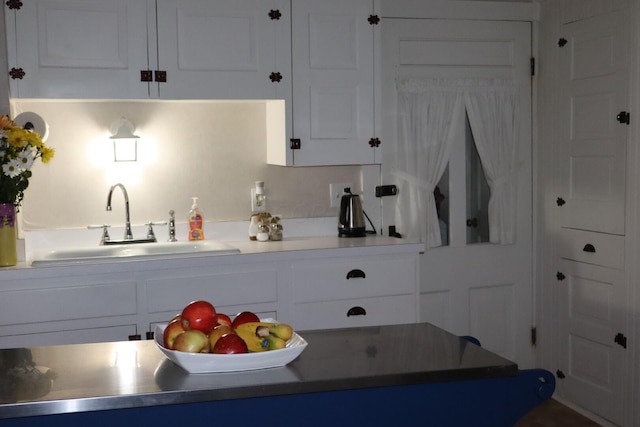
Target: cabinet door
{"type": "Point", "coordinates": [333, 82]}
{"type": "Point", "coordinates": [67, 310]}
{"type": "Point", "coordinates": [78, 49]}
{"type": "Point", "coordinates": [594, 90]}
{"type": "Point", "coordinates": [223, 49]}
{"type": "Point", "coordinates": [591, 357]}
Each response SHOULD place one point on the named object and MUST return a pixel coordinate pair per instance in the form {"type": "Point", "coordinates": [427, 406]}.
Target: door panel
{"type": "Point", "coordinates": [480, 289]}
{"type": "Point", "coordinates": [592, 362]}
{"type": "Point", "coordinates": [593, 81]}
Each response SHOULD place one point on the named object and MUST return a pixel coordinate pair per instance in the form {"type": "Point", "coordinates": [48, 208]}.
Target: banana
{"type": "Point", "coordinates": [261, 336]}
{"type": "Point", "coordinates": [281, 330]}
{"type": "Point", "coordinates": [276, 343]}
{"type": "Point", "coordinates": [255, 337]}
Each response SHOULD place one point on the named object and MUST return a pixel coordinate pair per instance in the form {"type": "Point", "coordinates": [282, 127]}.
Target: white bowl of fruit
{"type": "Point", "coordinates": [200, 340]}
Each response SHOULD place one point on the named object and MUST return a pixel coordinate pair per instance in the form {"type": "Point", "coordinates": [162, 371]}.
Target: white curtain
{"type": "Point", "coordinates": [492, 108]}
{"type": "Point", "coordinates": [427, 111]}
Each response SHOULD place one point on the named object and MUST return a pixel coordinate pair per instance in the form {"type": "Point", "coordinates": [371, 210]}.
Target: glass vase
{"type": "Point", "coordinates": [8, 235]}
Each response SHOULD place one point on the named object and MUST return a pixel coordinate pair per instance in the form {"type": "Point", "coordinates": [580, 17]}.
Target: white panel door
{"type": "Point", "coordinates": [223, 49]}
{"type": "Point", "coordinates": [333, 82]}
{"type": "Point", "coordinates": [480, 289]}
{"type": "Point", "coordinates": [594, 85]}
{"type": "Point", "coordinates": [592, 363]}
{"type": "Point", "coordinates": [78, 49]}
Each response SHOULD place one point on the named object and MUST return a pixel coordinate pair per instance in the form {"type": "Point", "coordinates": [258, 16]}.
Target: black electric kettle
{"type": "Point", "coordinates": [351, 219]}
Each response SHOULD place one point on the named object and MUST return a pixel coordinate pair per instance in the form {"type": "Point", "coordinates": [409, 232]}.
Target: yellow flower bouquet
{"type": "Point", "coordinates": [19, 149]}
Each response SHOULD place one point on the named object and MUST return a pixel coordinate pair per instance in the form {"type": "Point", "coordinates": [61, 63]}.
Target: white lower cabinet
{"type": "Point", "coordinates": [67, 310]}
{"type": "Point", "coordinates": [230, 289]}
{"type": "Point", "coordinates": [338, 293]}
{"type": "Point", "coordinates": [592, 331]}
{"type": "Point", "coordinates": [118, 302]}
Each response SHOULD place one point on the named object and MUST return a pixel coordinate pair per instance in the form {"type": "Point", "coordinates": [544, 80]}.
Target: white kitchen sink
{"type": "Point", "coordinates": [139, 251]}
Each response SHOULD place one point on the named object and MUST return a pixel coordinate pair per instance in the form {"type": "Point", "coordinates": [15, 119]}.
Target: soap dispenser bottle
{"type": "Point", "coordinates": [196, 222]}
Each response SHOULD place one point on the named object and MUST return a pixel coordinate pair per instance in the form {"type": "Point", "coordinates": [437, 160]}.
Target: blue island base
{"type": "Point", "coordinates": [494, 402]}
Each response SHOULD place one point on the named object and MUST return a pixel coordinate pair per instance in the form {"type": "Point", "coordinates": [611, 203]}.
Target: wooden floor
{"type": "Point", "coordinates": [554, 414]}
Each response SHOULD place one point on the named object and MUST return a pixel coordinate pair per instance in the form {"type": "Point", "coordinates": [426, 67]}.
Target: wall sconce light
{"type": "Point", "coordinates": [125, 142]}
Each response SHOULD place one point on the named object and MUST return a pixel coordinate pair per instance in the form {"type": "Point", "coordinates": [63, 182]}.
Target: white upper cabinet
{"type": "Point", "coordinates": [226, 49]}
{"type": "Point", "coordinates": [333, 85]}
{"type": "Point", "coordinates": [186, 49]}
{"type": "Point", "coordinates": [77, 49]}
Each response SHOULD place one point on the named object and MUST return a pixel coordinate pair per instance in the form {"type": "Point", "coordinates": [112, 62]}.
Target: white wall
{"type": "Point", "coordinates": [213, 150]}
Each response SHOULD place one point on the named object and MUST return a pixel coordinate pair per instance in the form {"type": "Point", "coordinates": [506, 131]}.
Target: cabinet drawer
{"type": "Point", "coordinates": [336, 314]}
{"type": "Point", "coordinates": [356, 278]}
{"type": "Point", "coordinates": [594, 248]}
{"type": "Point", "coordinates": [225, 289]}
{"type": "Point", "coordinates": [68, 303]}
{"type": "Point", "coordinates": [69, 336]}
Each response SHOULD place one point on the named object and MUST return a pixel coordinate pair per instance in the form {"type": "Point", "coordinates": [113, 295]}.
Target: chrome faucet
{"type": "Point", "coordinates": [128, 235]}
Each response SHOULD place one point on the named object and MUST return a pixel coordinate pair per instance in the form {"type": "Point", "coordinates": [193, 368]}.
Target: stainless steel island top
{"type": "Point", "coordinates": [116, 375]}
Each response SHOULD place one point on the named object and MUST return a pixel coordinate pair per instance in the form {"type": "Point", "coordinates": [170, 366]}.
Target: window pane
{"type": "Point", "coordinates": [477, 193]}
{"type": "Point", "coordinates": [441, 194]}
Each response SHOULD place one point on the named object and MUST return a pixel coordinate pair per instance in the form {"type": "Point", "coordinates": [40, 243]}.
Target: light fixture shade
{"type": "Point", "coordinates": [125, 141]}
{"type": "Point", "coordinates": [125, 150]}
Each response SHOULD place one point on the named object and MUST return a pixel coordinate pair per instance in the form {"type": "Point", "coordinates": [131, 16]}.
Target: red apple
{"type": "Point", "coordinates": [199, 315]}
{"type": "Point", "coordinates": [192, 341]}
{"type": "Point", "coordinates": [223, 319]}
{"type": "Point", "coordinates": [173, 329]}
{"type": "Point", "coordinates": [244, 317]}
{"type": "Point", "coordinates": [218, 332]}
{"type": "Point", "coordinates": [230, 344]}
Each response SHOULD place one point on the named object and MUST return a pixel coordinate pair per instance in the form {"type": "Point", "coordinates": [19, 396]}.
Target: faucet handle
{"type": "Point", "coordinates": [105, 234]}
{"type": "Point", "coordinates": [172, 226]}
{"type": "Point", "coordinates": [150, 234]}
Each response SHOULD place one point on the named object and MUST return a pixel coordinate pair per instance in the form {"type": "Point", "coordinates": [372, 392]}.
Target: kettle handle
{"type": "Point", "coordinates": [344, 208]}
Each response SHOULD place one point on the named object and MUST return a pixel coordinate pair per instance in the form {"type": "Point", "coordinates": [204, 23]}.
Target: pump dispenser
{"type": "Point", "coordinates": [196, 221]}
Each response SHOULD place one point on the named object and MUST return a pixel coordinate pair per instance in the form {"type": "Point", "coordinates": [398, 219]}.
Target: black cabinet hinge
{"type": "Point", "coordinates": [533, 67]}
{"type": "Point", "coordinates": [295, 143]}
{"type": "Point", "coordinates": [624, 117]}
{"type": "Point", "coordinates": [620, 339]}
{"type": "Point", "coordinates": [17, 73]}
{"type": "Point", "coordinates": [275, 15]}
{"type": "Point", "coordinates": [373, 19]}
{"type": "Point", "coordinates": [560, 374]}
{"type": "Point", "coordinates": [161, 76]}
{"type": "Point", "coordinates": [562, 42]}
{"type": "Point", "coordinates": [146, 76]}
{"type": "Point", "coordinates": [374, 142]}
{"type": "Point", "coordinates": [534, 336]}
{"type": "Point", "coordinates": [14, 4]}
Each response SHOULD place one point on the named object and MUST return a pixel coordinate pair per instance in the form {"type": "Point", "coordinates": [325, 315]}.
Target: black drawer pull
{"type": "Point", "coordinates": [356, 311]}
{"type": "Point", "coordinates": [589, 248]}
{"type": "Point", "coordinates": [135, 337]}
{"type": "Point", "coordinates": [356, 273]}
